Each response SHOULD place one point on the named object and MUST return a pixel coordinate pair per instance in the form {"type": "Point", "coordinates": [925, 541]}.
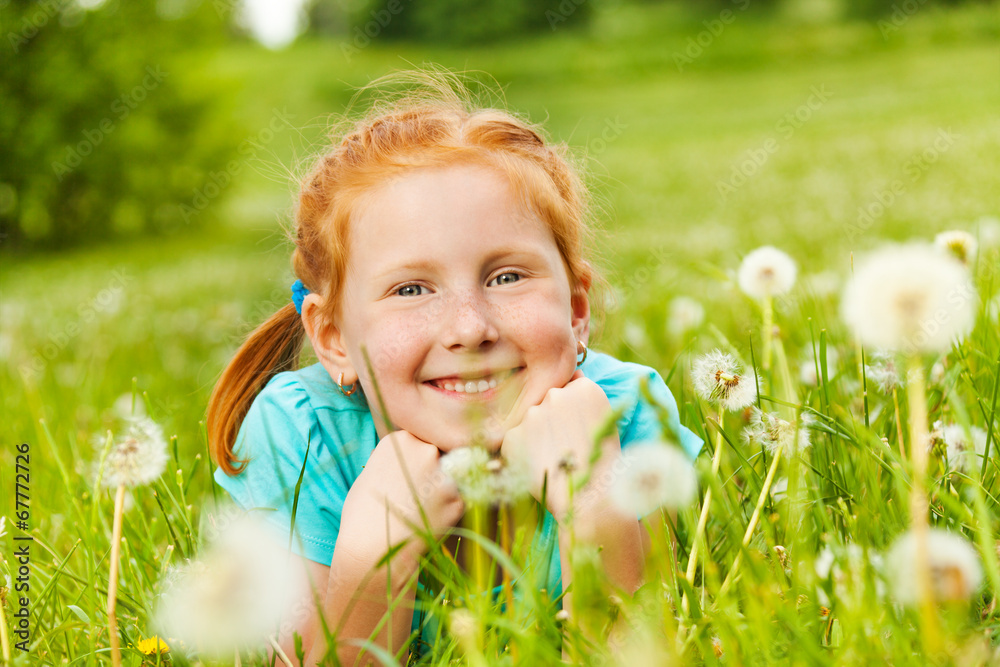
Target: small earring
{"type": "Point", "coordinates": [345, 392]}
{"type": "Point", "coordinates": [581, 349]}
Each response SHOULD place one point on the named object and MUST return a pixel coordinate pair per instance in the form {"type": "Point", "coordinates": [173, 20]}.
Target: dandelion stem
{"type": "Point", "coordinates": [919, 440]}
{"type": "Point", "coordinates": [505, 528]}
{"type": "Point", "coordinates": [116, 539]}
{"type": "Point", "coordinates": [796, 507]}
{"type": "Point", "coordinates": [863, 378]}
{"type": "Point", "coordinates": [753, 521]}
{"type": "Point", "coordinates": [703, 519]}
{"type": "Point", "coordinates": [768, 330]}
{"type": "Point", "coordinates": [787, 390]}
{"type": "Point", "coordinates": [899, 423]}
{"type": "Point", "coordinates": [281, 653]}
{"type": "Point", "coordinates": [479, 567]}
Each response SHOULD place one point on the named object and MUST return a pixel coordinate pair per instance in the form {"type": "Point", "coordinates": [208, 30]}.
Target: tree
{"type": "Point", "coordinates": [465, 21]}
{"type": "Point", "coordinates": [109, 125]}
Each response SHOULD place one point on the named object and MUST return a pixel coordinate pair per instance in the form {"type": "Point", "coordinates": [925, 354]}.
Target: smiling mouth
{"type": "Point", "coordinates": [472, 385]}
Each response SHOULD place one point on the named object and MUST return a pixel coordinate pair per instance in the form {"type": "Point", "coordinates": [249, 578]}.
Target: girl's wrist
{"type": "Point", "coordinates": [593, 496]}
{"type": "Point", "coordinates": [361, 560]}
{"type": "Point", "coordinates": [593, 511]}
{"type": "Point", "coordinates": [365, 542]}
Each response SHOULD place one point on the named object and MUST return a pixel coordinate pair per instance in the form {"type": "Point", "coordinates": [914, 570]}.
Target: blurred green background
{"type": "Point", "coordinates": [151, 149]}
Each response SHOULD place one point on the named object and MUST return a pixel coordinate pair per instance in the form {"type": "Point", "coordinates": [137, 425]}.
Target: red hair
{"type": "Point", "coordinates": [393, 138]}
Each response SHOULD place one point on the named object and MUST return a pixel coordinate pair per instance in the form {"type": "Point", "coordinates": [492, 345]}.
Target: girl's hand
{"type": "Point", "coordinates": [555, 439]}
{"type": "Point", "coordinates": [383, 507]}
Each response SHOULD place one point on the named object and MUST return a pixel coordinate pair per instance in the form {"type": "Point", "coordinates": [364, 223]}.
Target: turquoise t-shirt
{"type": "Point", "coordinates": [305, 406]}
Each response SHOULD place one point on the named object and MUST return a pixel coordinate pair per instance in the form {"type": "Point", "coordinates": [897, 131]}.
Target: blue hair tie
{"type": "Point", "coordinates": [299, 292]}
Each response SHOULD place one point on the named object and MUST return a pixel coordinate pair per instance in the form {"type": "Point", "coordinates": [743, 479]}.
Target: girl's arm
{"type": "Point", "coordinates": [381, 510]}
{"type": "Point", "coordinates": [351, 581]}
{"type": "Point", "coordinates": [565, 421]}
{"type": "Point", "coordinates": [303, 618]}
{"type": "Point", "coordinates": [618, 537]}
{"type": "Point", "coordinates": [597, 522]}
{"type": "Point", "coordinates": [357, 601]}
{"type": "Point", "coordinates": [623, 558]}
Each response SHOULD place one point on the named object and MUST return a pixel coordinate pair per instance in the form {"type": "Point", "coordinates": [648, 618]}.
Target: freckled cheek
{"type": "Point", "coordinates": [396, 349]}
{"type": "Point", "coordinates": [539, 326]}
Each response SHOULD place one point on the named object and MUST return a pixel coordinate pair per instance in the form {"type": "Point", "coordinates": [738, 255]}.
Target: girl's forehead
{"type": "Point", "coordinates": [409, 185]}
{"type": "Point", "coordinates": [427, 209]}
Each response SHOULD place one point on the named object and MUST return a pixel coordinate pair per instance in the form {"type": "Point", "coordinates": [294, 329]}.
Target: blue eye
{"type": "Point", "coordinates": [508, 278]}
{"type": "Point", "coordinates": [410, 290]}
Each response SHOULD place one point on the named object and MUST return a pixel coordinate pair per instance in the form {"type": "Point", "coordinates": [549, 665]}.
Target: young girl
{"type": "Point", "coordinates": [444, 288]}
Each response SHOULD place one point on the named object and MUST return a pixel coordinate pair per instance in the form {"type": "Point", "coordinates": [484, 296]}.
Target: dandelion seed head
{"type": "Point", "coordinates": [718, 378]}
{"type": "Point", "coordinates": [684, 314]}
{"type": "Point", "coordinates": [235, 594]}
{"type": "Point", "coordinates": [651, 475]}
{"type": "Point", "coordinates": [910, 298]}
{"type": "Point", "coordinates": [139, 457]}
{"type": "Point", "coordinates": [466, 466]}
{"type": "Point", "coordinates": [845, 569]}
{"type": "Point", "coordinates": [882, 371]}
{"type": "Point", "coordinates": [962, 448]}
{"type": "Point", "coordinates": [766, 272]}
{"type": "Point", "coordinates": [958, 244]}
{"type": "Point", "coordinates": [482, 480]}
{"type": "Point", "coordinates": [954, 567]}
{"type": "Point", "coordinates": [774, 433]}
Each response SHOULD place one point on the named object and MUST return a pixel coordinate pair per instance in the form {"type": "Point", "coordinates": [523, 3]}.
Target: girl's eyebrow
{"type": "Point", "coordinates": [508, 251]}
{"type": "Point", "coordinates": [417, 265]}
{"type": "Point", "coordinates": [412, 265]}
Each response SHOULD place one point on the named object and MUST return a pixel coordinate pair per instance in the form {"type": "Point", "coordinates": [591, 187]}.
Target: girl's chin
{"type": "Point", "coordinates": [486, 435]}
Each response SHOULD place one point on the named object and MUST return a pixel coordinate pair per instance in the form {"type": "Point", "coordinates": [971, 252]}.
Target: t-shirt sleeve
{"type": "Point", "coordinates": [644, 423]}
{"type": "Point", "coordinates": [275, 435]}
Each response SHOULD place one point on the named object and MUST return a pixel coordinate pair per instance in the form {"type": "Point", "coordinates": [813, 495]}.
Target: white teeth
{"type": "Point", "coordinates": [476, 386]}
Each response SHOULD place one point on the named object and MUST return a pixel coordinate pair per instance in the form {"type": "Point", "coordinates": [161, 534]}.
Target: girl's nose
{"type": "Point", "coordinates": [468, 323]}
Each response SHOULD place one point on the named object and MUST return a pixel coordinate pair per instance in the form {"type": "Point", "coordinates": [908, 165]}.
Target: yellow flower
{"type": "Point", "coordinates": [152, 645]}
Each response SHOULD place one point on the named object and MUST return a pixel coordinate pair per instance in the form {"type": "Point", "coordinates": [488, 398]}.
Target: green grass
{"type": "Point", "coordinates": [77, 327]}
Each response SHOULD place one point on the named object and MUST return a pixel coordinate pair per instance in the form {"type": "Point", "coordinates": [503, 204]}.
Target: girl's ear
{"type": "Point", "coordinates": [327, 340]}
{"type": "Point", "coordinates": [580, 307]}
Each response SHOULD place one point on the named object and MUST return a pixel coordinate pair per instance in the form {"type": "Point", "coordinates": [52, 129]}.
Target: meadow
{"type": "Point", "coordinates": [824, 140]}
